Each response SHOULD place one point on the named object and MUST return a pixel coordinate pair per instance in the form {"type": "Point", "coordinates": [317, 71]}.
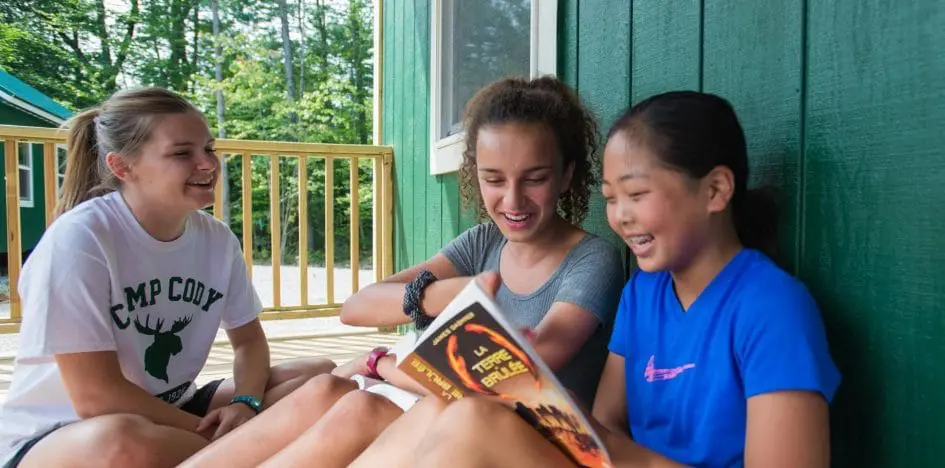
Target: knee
{"type": "Point", "coordinates": [325, 387]}
{"type": "Point", "coordinates": [362, 407]}
{"type": "Point", "coordinates": [475, 415]}
{"type": "Point", "coordinates": [123, 440]}
{"type": "Point", "coordinates": [316, 366]}
{"type": "Point", "coordinates": [300, 369]}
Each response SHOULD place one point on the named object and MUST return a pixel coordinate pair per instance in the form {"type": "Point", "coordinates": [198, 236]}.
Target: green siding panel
{"type": "Point", "coordinates": [603, 74]}
{"type": "Point", "coordinates": [873, 239]}
{"type": "Point", "coordinates": [665, 46]}
{"type": "Point", "coordinates": [752, 54]}
{"type": "Point", "coordinates": [426, 208]}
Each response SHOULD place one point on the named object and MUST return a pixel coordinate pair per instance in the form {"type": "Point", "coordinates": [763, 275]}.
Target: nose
{"type": "Point", "coordinates": [514, 196]}
{"type": "Point", "coordinates": [207, 162]}
{"type": "Point", "coordinates": [624, 213]}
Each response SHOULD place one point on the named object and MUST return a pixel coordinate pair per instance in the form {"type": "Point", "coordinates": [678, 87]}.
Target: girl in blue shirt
{"type": "Point", "coordinates": [718, 357]}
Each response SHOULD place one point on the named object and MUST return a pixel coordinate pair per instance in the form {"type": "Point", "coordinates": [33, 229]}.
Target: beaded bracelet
{"type": "Point", "coordinates": [412, 293]}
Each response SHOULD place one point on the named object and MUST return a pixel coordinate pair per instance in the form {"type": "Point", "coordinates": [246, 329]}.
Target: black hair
{"type": "Point", "coordinates": [693, 133]}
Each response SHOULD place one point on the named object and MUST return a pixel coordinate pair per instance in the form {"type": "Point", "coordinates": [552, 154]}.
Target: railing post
{"type": "Point", "coordinates": [355, 224]}
{"type": "Point", "coordinates": [50, 179]}
{"type": "Point", "coordinates": [275, 234]}
{"type": "Point", "coordinates": [11, 159]}
{"type": "Point", "coordinates": [329, 229]}
{"type": "Point", "coordinates": [303, 229]}
{"type": "Point", "coordinates": [247, 190]}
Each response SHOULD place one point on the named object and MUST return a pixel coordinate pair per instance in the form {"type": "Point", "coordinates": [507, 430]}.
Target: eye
{"type": "Point", "coordinates": [492, 181]}
{"type": "Point", "coordinates": [636, 196]}
{"type": "Point", "coordinates": [182, 153]}
{"type": "Point", "coordinates": [536, 180]}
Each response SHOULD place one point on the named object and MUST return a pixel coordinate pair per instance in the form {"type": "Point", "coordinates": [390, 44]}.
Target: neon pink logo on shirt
{"type": "Point", "coordinates": [653, 374]}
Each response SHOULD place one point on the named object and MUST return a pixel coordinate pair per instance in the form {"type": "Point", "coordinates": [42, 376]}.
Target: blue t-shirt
{"type": "Point", "coordinates": [754, 329]}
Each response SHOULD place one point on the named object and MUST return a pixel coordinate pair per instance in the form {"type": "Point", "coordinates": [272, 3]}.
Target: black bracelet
{"type": "Point", "coordinates": [412, 294]}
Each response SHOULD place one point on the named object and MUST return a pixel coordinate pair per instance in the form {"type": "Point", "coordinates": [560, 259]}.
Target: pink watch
{"type": "Point", "coordinates": [375, 355]}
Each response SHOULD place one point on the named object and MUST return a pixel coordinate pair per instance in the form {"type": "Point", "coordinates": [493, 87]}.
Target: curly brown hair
{"type": "Point", "coordinates": [545, 101]}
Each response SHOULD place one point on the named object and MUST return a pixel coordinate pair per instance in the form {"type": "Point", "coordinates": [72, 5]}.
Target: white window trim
{"type": "Point", "coordinates": [60, 176]}
{"type": "Point", "coordinates": [446, 154]}
{"type": "Point", "coordinates": [28, 201]}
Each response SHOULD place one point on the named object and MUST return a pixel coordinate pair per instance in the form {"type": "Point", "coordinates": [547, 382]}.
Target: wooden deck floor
{"type": "Point", "coordinates": [339, 348]}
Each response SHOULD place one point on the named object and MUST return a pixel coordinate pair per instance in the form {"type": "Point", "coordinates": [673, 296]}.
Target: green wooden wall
{"type": "Point", "coordinates": [427, 209]}
{"type": "Point", "coordinates": [32, 220]}
{"type": "Point", "coordinates": [843, 103]}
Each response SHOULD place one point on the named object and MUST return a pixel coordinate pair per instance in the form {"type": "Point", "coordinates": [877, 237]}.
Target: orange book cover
{"type": "Point", "coordinates": [472, 349]}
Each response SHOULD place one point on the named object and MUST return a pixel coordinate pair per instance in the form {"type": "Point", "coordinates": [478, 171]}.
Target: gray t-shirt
{"type": "Point", "coordinates": [590, 276]}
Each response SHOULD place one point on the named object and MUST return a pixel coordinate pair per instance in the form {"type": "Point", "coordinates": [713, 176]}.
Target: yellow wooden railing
{"type": "Point", "coordinates": [242, 151]}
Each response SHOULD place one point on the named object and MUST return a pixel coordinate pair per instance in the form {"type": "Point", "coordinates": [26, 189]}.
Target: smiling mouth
{"type": "Point", "coordinates": [640, 241]}
{"type": "Point", "coordinates": [517, 218]}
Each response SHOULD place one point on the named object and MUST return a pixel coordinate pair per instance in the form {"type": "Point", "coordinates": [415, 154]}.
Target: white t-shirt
{"type": "Point", "coordinates": [97, 281]}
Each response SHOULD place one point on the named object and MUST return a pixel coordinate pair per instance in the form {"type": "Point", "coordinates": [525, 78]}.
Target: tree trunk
{"type": "Point", "coordinates": [301, 48]}
{"type": "Point", "coordinates": [194, 54]}
{"type": "Point", "coordinates": [360, 124]}
{"type": "Point", "coordinates": [287, 56]}
{"type": "Point", "coordinates": [221, 124]}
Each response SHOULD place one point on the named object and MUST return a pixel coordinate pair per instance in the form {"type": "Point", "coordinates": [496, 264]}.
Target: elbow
{"type": "Point", "coordinates": [88, 405]}
{"type": "Point", "coordinates": [349, 313]}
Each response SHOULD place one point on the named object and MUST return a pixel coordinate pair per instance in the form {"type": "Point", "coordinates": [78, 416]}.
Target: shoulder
{"type": "Point", "coordinates": [212, 227]}
{"type": "Point", "coordinates": [763, 284]}
{"type": "Point", "coordinates": [482, 235]}
{"type": "Point", "coordinates": [595, 250]}
{"type": "Point", "coordinates": [89, 225]}
{"type": "Point", "coordinates": [769, 297]}
{"type": "Point", "coordinates": [486, 230]}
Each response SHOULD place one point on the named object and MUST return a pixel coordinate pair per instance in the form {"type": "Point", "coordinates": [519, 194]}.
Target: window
{"type": "Point", "coordinates": [60, 166]}
{"type": "Point", "coordinates": [25, 162]}
{"type": "Point", "coordinates": [475, 42]}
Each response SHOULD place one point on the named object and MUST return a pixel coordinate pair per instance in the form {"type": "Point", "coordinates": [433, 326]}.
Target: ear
{"type": "Point", "coordinates": [566, 178]}
{"type": "Point", "coordinates": [119, 166]}
{"type": "Point", "coordinates": [720, 184]}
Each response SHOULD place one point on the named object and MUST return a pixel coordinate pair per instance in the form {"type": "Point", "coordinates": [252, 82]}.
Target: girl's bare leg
{"type": "Point", "coordinates": [475, 432]}
{"type": "Point", "coordinates": [112, 441]}
{"type": "Point", "coordinates": [276, 427]}
{"type": "Point", "coordinates": [397, 445]}
{"type": "Point", "coordinates": [341, 434]}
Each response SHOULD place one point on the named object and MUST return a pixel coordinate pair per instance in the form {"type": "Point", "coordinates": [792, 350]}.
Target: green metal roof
{"type": "Point", "coordinates": [20, 92]}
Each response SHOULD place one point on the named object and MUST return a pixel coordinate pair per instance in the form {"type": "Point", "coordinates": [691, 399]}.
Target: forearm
{"type": "Point", "coordinates": [382, 304]}
{"type": "Point", "coordinates": [387, 369]}
{"type": "Point", "coordinates": [251, 368]}
{"type": "Point", "coordinates": [124, 397]}
{"type": "Point", "coordinates": [377, 305]}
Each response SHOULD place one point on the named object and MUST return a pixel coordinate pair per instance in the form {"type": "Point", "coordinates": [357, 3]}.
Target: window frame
{"type": "Point", "coordinates": [27, 202]}
{"type": "Point", "coordinates": [446, 154]}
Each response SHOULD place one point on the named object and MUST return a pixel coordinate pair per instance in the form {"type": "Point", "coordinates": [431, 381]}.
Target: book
{"type": "Point", "coordinates": [472, 349]}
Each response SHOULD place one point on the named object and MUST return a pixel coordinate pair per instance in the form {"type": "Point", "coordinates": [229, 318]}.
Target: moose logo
{"type": "Point", "coordinates": [166, 344]}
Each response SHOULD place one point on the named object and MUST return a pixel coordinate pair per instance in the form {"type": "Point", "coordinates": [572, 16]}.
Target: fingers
{"type": "Point", "coordinates": [226, 425]}
{"type": "Point", "coordinates": [489, 281]}
{"type": "Point", "coordinates": [209, 420]}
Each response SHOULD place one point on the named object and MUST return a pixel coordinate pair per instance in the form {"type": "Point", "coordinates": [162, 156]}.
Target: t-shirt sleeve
{"type": "Point", "coordinates": [781, 343]}
{"type": "Point", "coordinates": [65, 295]}
{"type": "Point", "coordinates": [243, 304]}
{"type": "Point", "coordinates": [468, 249]}
{"type": "Point", "coordinates": [593, 281]}
{"type": "Point", "coordinates": [621, 332]}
